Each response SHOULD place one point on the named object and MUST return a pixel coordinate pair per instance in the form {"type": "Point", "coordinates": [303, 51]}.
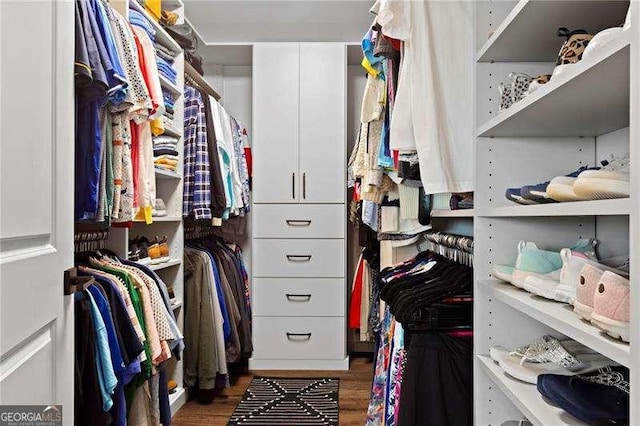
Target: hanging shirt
{"type": "Point", "coordinates": [106, 376]}
{"type": "Point", "coordinates": [438, 64]}
{"type": "Point", "coordinates": [197, 182]}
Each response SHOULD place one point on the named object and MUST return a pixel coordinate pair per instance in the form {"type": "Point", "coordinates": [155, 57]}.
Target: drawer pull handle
{"type": "Point", "coordinates": [293, 222]}
{"type": "Point", "coordinates": [299, 257]}
{"type": "Point", "coordinates": [299, 336]}
{"type": "Point", "coordinates": [293, 297]}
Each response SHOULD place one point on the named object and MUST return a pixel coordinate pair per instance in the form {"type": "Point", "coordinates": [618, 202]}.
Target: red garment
{"type": "Point", "coordinates": [247, 155]}
{"type": "Point", "coordinates": [397, 44]}
{"type": "Point", "coordinates": [356, 295]}
{"type": "Point", "coordinates": [396, 155]}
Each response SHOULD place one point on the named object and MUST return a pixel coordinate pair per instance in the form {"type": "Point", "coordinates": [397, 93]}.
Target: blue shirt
{"type": "Point", "coordinates": [106, 376]}
{"type": "Point", "coordinates": [116, 76]}
{"type": "Point", "coordinates": [114, 346]}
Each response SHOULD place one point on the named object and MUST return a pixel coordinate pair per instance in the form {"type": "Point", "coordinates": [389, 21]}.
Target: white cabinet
{"type": "Point", "coordinates": [275, 123]}
{"type": "Point", "coordinates": [299, 117]}
{"type": "Point", "coordinates": [322, 122]}
{"type": "Point", "coordinates": [299, 216]}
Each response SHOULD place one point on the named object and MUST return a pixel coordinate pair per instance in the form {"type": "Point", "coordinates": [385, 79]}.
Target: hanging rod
{"type": "Point", "coordinates": [195, 77]}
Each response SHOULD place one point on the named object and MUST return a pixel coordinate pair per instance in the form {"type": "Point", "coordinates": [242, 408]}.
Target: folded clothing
{"type": "Point", "coordinates": [165, 50]}
{"type": "Point", "coordinates": [139, 20]}
{"type": "Point", "coordinates": [167, 57]}
{"type": "Point", "coordinates": [167, 167]}
{"type": "Point", "coordinates": [164, 151]}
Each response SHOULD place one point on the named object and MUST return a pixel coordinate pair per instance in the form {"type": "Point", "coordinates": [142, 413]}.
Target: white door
{"type": "Point", "coordinates": [275, 123]}
{"type": "Point", "coordinates": [36, 211]}
{"type": "Point", "coordinates": [322, 122]}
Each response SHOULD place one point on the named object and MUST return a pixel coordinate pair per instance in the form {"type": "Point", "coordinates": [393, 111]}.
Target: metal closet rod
{"type": "Point", "coordinates": [444, 239]}
{"type": "Point", "coordinates": [194, 77]}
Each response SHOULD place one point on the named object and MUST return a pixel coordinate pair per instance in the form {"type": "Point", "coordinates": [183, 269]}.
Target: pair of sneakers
{"type": "Point", "coordinates": [540, 271]}
{"type": "Point", "coordinates": [603, 298]}
{"type": "Point", "coordinates": [147, 252]}
{"type": "Point", "coordinates": [547, 355]}
{"type": "Point", "coordinates": [587, 183]}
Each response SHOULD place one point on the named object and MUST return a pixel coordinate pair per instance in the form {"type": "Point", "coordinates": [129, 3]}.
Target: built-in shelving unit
{"type": "Point", "coordinates": [452, 213]}
{"type": "Point", "coordinates": [583, 115]}
{"type": "Point", "coordinates": [168, 188]}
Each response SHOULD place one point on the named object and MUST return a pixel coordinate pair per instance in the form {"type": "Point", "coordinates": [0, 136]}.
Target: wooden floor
{"type": "Point", "coordinates": [355, 386]}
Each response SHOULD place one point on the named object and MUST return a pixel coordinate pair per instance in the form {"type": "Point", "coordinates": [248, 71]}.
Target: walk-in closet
{"type": "Point", "coordinates": [319, 212]}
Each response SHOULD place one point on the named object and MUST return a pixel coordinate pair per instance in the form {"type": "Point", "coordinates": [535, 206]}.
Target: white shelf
{"type": "Point", "coordinates": [618, 207]}
{"type": "Point", "coordinates": [164, 82]}
{"type": "Point", "coordinates": [560, 317]}
{"type": "Point", "coordinates": [161, 219]}
{"type": "Point", "coordinates": [590, 99]}
{"type": "Point", "coordinates": [161, 35]}
{"type": "Point", "coordinates": [452, 213]}
{"type": "Point", "coordinates": [177, 399]}
{"type": "Point", "coordinates": [526, 397]}
{"type": "Point", "coordinates": [163, 265]}
{"type": "Point", "coordinates": [176, 305]}
{"type": "Point", "coordinates": [528, 34]}
{"type": "Point", "coordinates": [165, 174]}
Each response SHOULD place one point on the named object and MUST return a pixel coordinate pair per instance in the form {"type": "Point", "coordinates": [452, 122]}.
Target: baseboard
{"type": "Point", "coordinates": [299, 364]}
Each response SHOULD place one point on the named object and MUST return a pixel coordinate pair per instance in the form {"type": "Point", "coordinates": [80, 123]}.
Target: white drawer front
{"type": "Point", "coordinates": [310, 297]}
{"type": "Point", "coordinates": [298, 221]}
{"type": "Point", "coordinates": [298, 338]}
{"type": "Point", "coordinates": [298, 258]}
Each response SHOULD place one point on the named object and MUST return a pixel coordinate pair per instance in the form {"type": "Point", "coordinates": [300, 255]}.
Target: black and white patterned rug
{"type": "Point", "coordinates": [286, 401]}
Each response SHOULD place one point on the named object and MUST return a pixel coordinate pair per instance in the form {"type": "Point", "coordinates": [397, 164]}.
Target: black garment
{"type": "Point", "coordinates": [164, 151]}
{"type": "Point", "coordinates": [163, 393]}
{"type": "Point", "coordinates": [218, 199]}
{"type": "Point", "coordinates": [437, 385]}
{"type": "Point", "coordinates": [88, 400]}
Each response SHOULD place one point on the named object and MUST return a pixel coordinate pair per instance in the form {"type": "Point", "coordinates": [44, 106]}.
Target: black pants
{"type": "Point", "coordinates": [437, 385]}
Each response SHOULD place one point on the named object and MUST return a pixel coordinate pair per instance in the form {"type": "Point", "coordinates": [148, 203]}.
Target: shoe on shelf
{"type": "Point", "coordinates": [531, 261]}
{"type": "Point", "coordinates": [537, 193]}
{"type": "Point", "coordinates": [560, 188]}
{"type": "Point", "coordinates": [159, 208]}
{"type": "Point", "coordinates": [514, 194]}
{"type": "Point", "coordinates": [138, 251]}
{"type": "Point", "coordinates": [611, 306]}
{"type": "Point", "coordinates": [601, 39]}
{"type": "Point", "coordinates": [592, 398]}
{"type": "Point", "coordinates": [497, 352]}
{"type": "Point", "coordinates": [164, 248]}
{"type": "Point", "coordinates": [572, 49]}
{"type": "Point", "coordinates": [552, 356]}
{"type": "Point", "coordinates": [564, 288]}
{"type": "Point", "coordinates": [538, 82]}
{"type": "Point", "coordinates": [545, 264]}
{"type": "Point", "coordinates": [611, 181]}
{"type": "Point", "coordinates": [155, 254]}
{"type": "Point", "coordinates": [171, 385]}
{"type": "Point", "coordinates": [589, 279]}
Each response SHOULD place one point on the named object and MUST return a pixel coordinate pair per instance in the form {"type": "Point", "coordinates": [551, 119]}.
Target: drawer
{"type": "Point", "coordinates": [310, 297]}
{"type": "Point", "coordinates": [298, 258]}
{"type": "Point", "coordinates": [299, 221]}
{"type": "Point", "coordinates": [298, 338]}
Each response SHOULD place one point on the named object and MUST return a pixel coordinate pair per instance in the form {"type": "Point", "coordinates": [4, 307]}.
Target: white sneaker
{"type": "Point", "coordinates": [611, 181]}
{"type": "Point", "coordinates": [564, 288]}
{"type": "Point", "coordinates": [600, 40]}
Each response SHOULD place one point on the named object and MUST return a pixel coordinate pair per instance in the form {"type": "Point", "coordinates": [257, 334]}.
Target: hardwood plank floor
{"type": "Point", "coordinates": [355, 387]}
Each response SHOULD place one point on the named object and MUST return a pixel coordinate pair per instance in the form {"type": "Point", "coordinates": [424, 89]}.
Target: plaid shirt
{"type": "Point", "coordinates": [197, 186]}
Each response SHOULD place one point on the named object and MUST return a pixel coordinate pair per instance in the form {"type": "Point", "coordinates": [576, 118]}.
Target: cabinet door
{"type": "Point", "coordinates": [322, 122]}
{"type": "Point", "coordinates": [275, 122]}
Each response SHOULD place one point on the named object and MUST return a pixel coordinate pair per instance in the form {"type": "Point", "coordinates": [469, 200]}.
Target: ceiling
{"type": "Point", "coordinates": [250, 21]}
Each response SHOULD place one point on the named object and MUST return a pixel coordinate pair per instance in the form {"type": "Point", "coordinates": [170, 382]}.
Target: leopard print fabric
{"type": "Point", "coordinates": [572, 49]}
{"type": "Point", "coordinates": [520, 86]}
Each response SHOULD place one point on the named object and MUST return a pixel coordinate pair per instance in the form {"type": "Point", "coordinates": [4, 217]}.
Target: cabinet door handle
{"type": "Point", "coordinates": [299, 257]}
{"type": "Point", "coordinates": [294, 222]}
{"type": "Point", "coordinates": [292, 297]}
{"type": "Point", "coordinates": [304, 185]}
{"type": "Point", "coordinates": [293, 185]}
{"type": "Point", "coordinates": [299, 336]}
